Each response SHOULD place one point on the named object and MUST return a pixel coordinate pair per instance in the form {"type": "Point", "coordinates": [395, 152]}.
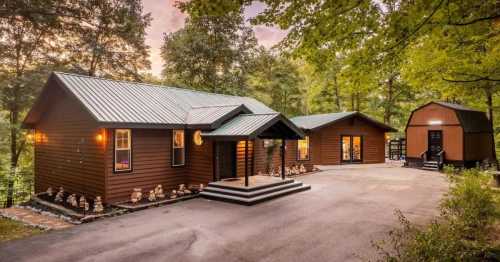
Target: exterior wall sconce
{"type": "Point", "coordinates": [435, 122]}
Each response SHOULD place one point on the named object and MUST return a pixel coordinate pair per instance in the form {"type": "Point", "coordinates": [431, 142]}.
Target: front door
{"type": "Point", "coordinates": [352, 149]}
{"type": "Point", "coordinates": [226, 164]}
{"type": "Point", "coordinates": [435, 145]}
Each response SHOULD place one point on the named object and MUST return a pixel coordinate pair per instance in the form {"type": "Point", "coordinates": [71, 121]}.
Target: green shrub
{"type": "Point", "coordinates": [460, 233]}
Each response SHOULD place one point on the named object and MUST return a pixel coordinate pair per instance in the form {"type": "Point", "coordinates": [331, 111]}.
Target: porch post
{"type": "Point", "coordinates": [283, 158]}
{"type": "Point", "coordinates": [246, 162]}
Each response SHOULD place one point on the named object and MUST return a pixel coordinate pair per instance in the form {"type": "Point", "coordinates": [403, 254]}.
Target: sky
{"type": "Point", "coordinates": [167, 19]}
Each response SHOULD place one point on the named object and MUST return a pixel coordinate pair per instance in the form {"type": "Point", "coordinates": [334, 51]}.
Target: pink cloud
{"type": "Point", "coordinates": [167, 18]}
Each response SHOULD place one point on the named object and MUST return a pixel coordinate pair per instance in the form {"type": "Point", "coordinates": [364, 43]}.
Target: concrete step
{"type": "Point", "coordinates": [254, 193]}
{"type": "Point", "coordinates": [430, 168]}
{"type": "Point", "coordinates": [253, 200]}
{"type": "Point", "coordinates": [254, 188]}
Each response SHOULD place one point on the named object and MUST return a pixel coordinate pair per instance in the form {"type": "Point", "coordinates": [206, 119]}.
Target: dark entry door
{"type": "Point", "coordinates": [352, 149]}
{"type": "Point", "coordinates": [435, 144]}
{"type": "Point", "coordinates": [226, 160]}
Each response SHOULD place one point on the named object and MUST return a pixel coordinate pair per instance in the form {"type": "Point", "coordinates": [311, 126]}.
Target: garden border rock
{"type": "Point", "coordinates": [137, 207]}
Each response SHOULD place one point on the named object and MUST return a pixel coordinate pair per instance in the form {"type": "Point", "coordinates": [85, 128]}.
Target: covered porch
{"type": "Point", "coordinates": [243, 130]}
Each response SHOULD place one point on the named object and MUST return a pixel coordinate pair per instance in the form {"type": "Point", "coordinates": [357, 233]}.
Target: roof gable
{"type": "Point", "coordinates": [314, 122]}
{"type": "Point", "coordinates": [119, 102]}
{"type": "Point", "coordinates": [471, 120]}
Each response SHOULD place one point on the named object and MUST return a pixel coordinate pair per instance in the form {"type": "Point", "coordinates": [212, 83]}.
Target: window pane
{"type": "Point", "coordinates": [122, 160]}
{"type": "Point", "coordinates": [178, 138]}
{"type": "Point", "coordinates": [346, 148]}
{"type": "Point", "coordinates": [122, 139]}
{"type": "Point", "coordinates": [178, 156]}
{"type": "Point", "coordinates": [356, 148]}
{"type": "Point", "coordinates": [303, 148]}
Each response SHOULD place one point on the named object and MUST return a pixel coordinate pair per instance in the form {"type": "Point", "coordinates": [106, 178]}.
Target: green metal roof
{"type": "Point", "coordinates": [312, 122]}
{"type": "Point", "coordinates": [142, 105]}
{"type": "Point", "coordinates": [251, 126]}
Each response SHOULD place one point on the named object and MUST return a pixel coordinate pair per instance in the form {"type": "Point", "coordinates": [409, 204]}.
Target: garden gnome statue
{"type": "Point", "coordinates": [201, 187]}
{"type": "Point", "coordinates": [98, 208]}
{"type": "Point", "coordinates": [69, 199]}
{"type": "Point", "coordinates": [82, 201]}
{"type": "Point", "coordinates": [74, 202]}
{"type": "Point", "coordinates": [174, 194]}
{"type": "Point", "coordinates": [159, 192]}
{"type": "Point", "coordinates": [59, 196]}
{"type": "Point", "coordinates": [86, 206]}
{"type": "Point", "coordinates": [136, 195]}
{"type": "Point", "coordinates": [50, 192]}
{"type": "Point", "coordinates": [302, 169]}
{"type": "Point", "coordinates": [152, 196]}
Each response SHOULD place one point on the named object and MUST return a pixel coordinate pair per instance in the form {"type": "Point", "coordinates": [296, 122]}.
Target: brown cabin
{"type": "Point", "coordinates": [102, 137]}
{"type": "Point", "coordinates": [441, 133]}
{"type": "Point", "coordinates": [339, 138]}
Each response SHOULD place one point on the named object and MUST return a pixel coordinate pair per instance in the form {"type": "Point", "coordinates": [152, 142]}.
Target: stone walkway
{"type": "Point", "coordinates": [34, 218]}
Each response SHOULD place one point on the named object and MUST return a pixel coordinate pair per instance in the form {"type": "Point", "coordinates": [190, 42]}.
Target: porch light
{"type": "Point", "coordinates": [99, 138]}
{"type": "Point", "coordinates": [435, 122]}
{"type": "Point", "coordinates": [197, 139]}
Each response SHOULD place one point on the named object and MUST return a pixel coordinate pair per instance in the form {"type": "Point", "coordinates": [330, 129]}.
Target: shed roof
{"type": "Point", "coordinates": [251, 126]}
{"type": "Point", "coordinates": [471, 120]}
{"type": "Point", "coordinates": [139, 104]}
{"type": "Point", "coordinates": [313, 122]}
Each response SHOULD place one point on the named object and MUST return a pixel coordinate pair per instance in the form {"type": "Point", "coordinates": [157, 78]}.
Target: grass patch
{"type": "Point", "coordinates": [10, 229]}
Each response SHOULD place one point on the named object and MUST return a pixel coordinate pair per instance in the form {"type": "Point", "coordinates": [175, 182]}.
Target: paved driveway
{"type": "Point", "coordinates": [347, 207]}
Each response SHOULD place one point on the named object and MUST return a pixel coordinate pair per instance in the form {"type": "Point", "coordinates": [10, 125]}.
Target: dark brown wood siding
{"type": "Point", "coordinates": [67, 153]}
{"type": "Point", "coordinates": [200, 161]}
{"type": "Point", "coordinates": [478, 146]}
{"type": "Point", "coordinates": [240, 158]}
{"type": "Point", "coordinates": [152, 164]}
{"type": "Point", "coordinates": [326, 146]}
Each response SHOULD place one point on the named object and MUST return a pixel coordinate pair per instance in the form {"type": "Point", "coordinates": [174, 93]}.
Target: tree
{"type": "Point", "coordinates": [212, 52]}
{"type": "Point", "coordinates": [26, 48]}
{"type": "Point", "coordinates": [37, 37]}
{"type": "Point", "coordinates": [110, 39]}
{"type": "Point", "coordinates": [277, 82]}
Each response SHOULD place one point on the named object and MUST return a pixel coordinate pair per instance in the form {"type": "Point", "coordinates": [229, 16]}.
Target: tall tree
{"type": "Point", "coordinates": [213, 52]}
{"type": "Point", "coordinates": [110, 39]}
{"type": "Point", "coordinates": [276, 82]}
{"type": "Point", "coordinates": [26, 47]}
{"type": "Point", "coordinates": [101, 37]}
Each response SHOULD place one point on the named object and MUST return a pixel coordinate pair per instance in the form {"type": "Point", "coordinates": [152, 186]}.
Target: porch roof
{"type": "Point", "coordinates": [251, 126]}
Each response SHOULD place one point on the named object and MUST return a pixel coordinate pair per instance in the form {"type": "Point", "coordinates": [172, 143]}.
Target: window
{"type": "Point", "coordinates": [123, 152]}
{"type": "Point", "coordinates": [303, 149]}
{"type": "Point", "coordinates": [178, 148]}
{"type": "Point", "coordinates": [268, 143]}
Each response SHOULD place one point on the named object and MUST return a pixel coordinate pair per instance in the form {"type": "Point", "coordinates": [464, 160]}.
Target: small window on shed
{"type": "Point", "coordinates": [178, 149]}
{"type": "Point", "coordinates": [303, 149]}
{"type": "Point", "coordinates": [123, 150]}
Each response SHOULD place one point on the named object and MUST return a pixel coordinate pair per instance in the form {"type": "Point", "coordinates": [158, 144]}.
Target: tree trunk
{"type": "Point", "coordinates": [388, 104]}
{"type": "Point", "coordinates": [489, 103]}
{"type": "Point", "coordinates": [337, 93]}
{"type": "Point", "coordinates": [14, 118]}
{"type": "Point", "coordinates": [352, 102]}
{"type": "Point", "coordinates": [357, 101]}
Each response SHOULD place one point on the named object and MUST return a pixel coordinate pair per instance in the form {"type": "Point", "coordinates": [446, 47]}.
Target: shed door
{"type": "Point", "coordinates": [435, 144]}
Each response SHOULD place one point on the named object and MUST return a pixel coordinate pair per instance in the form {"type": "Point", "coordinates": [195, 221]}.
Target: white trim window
{"type": "Point", "coordinates": [303, 148]}
{"type": "Point", "coordinates": [123, 150]}
{"type": "Point", "coordinates": [178, 148]}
